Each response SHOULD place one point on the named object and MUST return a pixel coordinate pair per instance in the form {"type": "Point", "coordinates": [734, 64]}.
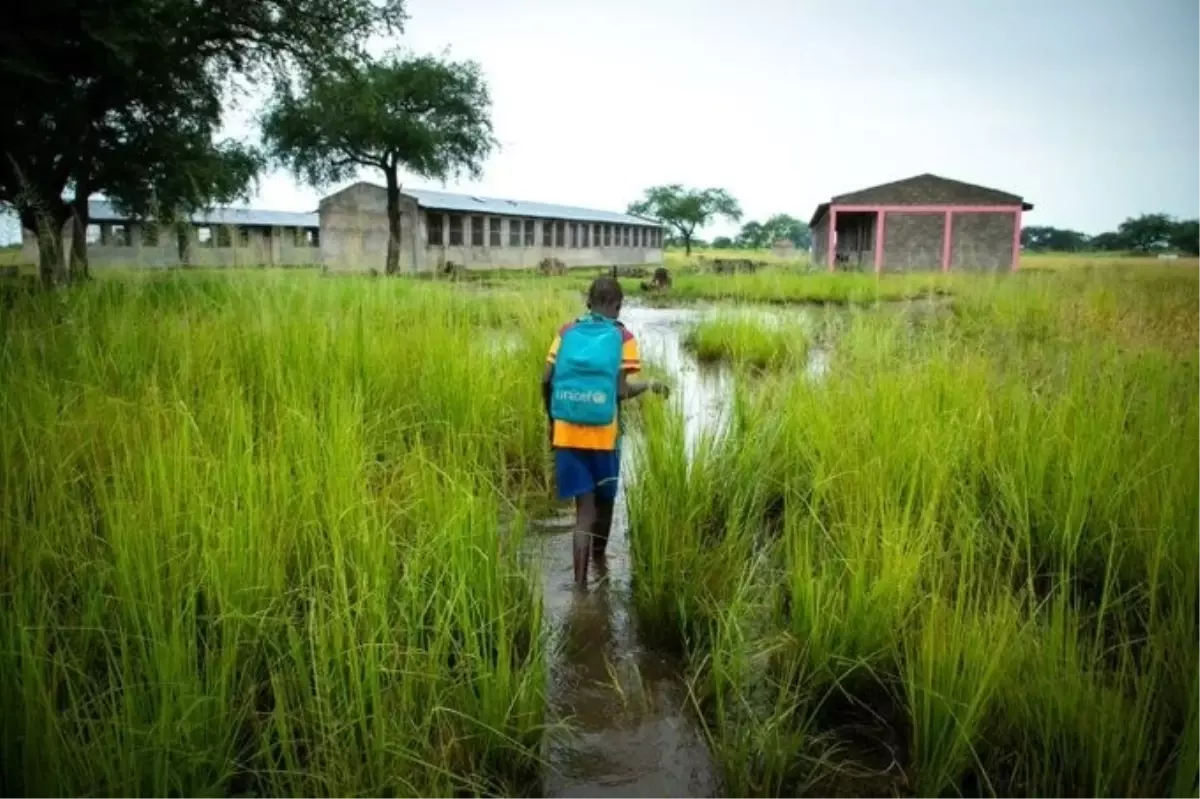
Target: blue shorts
{"type": "Point", "coordinates": [580, 471]}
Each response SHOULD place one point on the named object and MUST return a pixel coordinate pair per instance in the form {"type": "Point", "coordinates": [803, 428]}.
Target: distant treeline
{"type": "Point", "coordinates": [1148, 233]}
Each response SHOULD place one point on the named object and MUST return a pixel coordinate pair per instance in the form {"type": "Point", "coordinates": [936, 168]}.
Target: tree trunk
{"type": "Point", "coordinates": [687, 244]}
{"type": "Point", "coordinates": [393, 216]}
{"type": "Point", "coordinates": [79, 224]}
{"type": "Point", "coordinates": [47, 225]}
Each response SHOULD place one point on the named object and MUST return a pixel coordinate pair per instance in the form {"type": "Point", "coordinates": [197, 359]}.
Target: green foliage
{"type": "Point", "coordinates": [753, 236]}
{"type": "Point", "coordinates": [428, 116]}
{"type": "Point", "coordinates": [1185, 236]}
{"type": "Point", "coordinates": [111, 97]}
{"type": "Point", "coordinates": [757, 236]}
{"type": "Point", "coordinates": [685, 210]}
{"type": "Point", "coordinates": [752, 341]}
{"type": "Point", "coordinates": [961, 562]}
{"type": "Point", "coordinates": [1039, 238]}
{"type": "Point", "coordinates": [722, 243]}
{"type": "Point", "coordinates": [1147, 233]}
{"type": "Point", "coordinates": [781, 286]}
{"type": "Point", "coordinates": [782, 226]}
{"type": "Point", "coordinates": [261, 536]}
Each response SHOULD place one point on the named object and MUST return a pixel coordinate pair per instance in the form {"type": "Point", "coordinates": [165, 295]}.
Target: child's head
{"type": "Point", "coordinates": [605, 297]}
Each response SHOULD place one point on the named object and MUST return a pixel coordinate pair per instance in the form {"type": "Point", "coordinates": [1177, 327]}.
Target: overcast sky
{"type": "Point", "coordinates": [1090, 109]}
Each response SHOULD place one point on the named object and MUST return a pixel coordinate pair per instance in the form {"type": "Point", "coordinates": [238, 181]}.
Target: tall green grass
{"type": "Point", "coordinates": [750, 341]}
{"type": "Point", "coordinates": [250, 537]}
{"type": "Point", "coordinates": [784, 286]}
{"type": "Point", "coordinates": [962, 562]}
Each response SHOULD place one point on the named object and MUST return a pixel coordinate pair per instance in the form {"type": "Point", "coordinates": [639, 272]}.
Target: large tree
{"type": "Point", "coordinates": [1046, 238]}
{"type": "Point", "coordinates": [757, 235]}
{"type": "Point", "coordinates": [425, 115]}
{"type": "Point", "coordinates": [1185, 236]}
{"type": "Point", "coordinates": [108, 97]}
{"type": "Point", "coordinates": [1148, 232]}
{"type": "Point", "coordinates": [753, 236]}
{"type": "Point", "coordinates": [783, 226]}
{"type": "Point", "coordinates": [685, 210]}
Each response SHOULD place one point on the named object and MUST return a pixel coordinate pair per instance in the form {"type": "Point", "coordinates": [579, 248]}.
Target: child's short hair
{"type": "Point", "coordinates": [605, 291]}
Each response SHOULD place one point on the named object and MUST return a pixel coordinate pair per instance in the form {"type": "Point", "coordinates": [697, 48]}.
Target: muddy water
{"type": "Point", "coordinates": [624, 726]}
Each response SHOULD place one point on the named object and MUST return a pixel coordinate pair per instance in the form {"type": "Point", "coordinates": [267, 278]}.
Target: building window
{"type": "Point", "coordinates": [243, 236]}
{"type": "Point", "coordinates": [314, 237]}
{"type": "Point", "coordinates": [643, 235]}
{"type": "Point", "coordinates": [607, 235]}
{"type": "Point", "coordinates": [204, 236]}
{"type": "Point", "coordinates": [149, 234]}
{"type": "Point", "coordinates": [573, 234]}
{"type": "Point", "coordinates": [93, 234]}
{"type": "Point", "coordinates": [120, 236]}
{"type": "Point", "coordinates": [514, 233]}
{"type": "Point", "coordinates": [529, 238]}
{"type": "Point", "coordinates": [494, 232]}
{"type": "Point", "coordinates": [584, 231]}
{"type": "Point", "coordinates": [560, 234]}
{"type": "Point", "coordinates": [224, 236]}
{"type": "Point", "coordinates": [547, 233]}
{"type": "Point", "coordinates": [477, 231]}
{"type": "Point", "coordinates": [434, 226]}
{"type": "Point", "coordinates": [456, 230]}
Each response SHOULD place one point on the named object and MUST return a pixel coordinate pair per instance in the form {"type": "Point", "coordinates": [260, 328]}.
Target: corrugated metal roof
{"type": "Point", "coordinates": [468, 203]}
{"type": "Point", "coordinates": [105, 211]}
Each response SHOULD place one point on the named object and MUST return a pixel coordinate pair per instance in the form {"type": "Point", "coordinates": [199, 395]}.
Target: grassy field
{"type": "Point", "coordinates": [260, 534]}
{"type": "Point", "coordinates": [251, 538]}
{"type": "Point", "coordinates": [964, 561]}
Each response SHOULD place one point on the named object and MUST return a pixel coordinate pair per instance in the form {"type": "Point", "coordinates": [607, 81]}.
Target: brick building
{"type": "Point", "coordinates": [923, 222]}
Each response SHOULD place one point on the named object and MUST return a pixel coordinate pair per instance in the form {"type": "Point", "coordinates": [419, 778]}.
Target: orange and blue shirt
{"type": "Point", "coordinates": [575, 436]}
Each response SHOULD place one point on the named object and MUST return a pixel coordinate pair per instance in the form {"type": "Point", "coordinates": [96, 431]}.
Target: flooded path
{"type": "Point", "coordinates": [629, 728]}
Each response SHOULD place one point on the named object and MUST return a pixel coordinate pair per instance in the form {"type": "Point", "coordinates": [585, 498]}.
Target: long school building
{"type": "Point", "coordinates": [439, 228]}
{"type": "Point", "coordinates": [220, 237]}
{"type": "Point", "coordinates": [350, 233]}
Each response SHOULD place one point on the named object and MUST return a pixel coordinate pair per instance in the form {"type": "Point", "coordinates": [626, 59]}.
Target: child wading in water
{"type": "Point", "coordinates": [586, 379]}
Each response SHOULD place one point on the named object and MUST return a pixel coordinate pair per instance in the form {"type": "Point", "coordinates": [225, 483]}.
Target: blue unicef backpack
{"type": "Point", "coordinates": [586, 372]}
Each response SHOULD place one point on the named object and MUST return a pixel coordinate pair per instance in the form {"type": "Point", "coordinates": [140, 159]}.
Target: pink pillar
{"type": "Point", "coordinates": [879, 217]}
{"type": "Point", "coordinates": [832, 248]}
{"type": "Point", "coordinates": [1016, 262]}
{"type": "Point", "coordinates": [946, 242]}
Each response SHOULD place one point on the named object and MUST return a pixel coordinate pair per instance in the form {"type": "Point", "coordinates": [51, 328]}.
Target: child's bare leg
{"type": "Point", "coordinates": [602, 526]}
{"type": "Point", "coordinates": [585, 521]}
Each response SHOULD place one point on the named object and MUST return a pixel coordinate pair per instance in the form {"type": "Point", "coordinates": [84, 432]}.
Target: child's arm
{"type": "Point", "coordinates": [627, 390]}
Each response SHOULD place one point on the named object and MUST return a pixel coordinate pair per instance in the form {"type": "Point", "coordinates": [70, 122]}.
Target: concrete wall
{"type": "Point", "coordinates": [354, 231]}
{"type": "Point", "coordinates": [820, 245]}
{"type": "Point", "coordinates": [912, 241]}
{"type": "Point", "coordinates": [142, 245]}
{"type": "Point", "coordinates": [982, 242]}
{"type": "Point", "coordinates": [978, 241]}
